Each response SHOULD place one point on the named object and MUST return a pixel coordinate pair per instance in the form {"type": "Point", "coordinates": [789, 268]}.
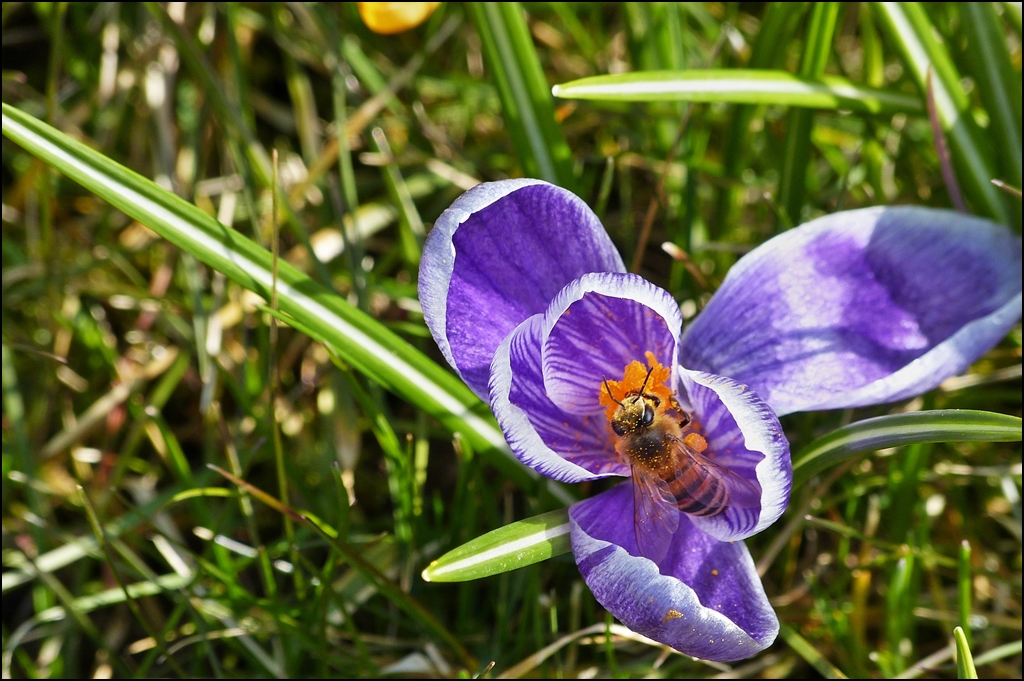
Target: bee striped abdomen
{"type": "Point", "coordinates": [698, 489]}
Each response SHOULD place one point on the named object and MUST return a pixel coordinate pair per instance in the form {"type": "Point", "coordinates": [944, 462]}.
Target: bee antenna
{"type": "Point", "coordinates": [646, 378]}
{"type": "Point", "coordinates": [608, 388]}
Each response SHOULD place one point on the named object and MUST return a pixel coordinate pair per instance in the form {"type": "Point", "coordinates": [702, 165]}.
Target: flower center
{"type": "Point", "coordinates": [625, 413]}
{"type": "Point", "coordinates": [633, 381]}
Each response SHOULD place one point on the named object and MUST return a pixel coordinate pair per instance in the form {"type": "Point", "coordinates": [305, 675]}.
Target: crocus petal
{"type": "Point", "coordinates": [565, 445]}
{"type": "Point", "coordinates": [498, 255]}
{"type": "Point", "coordinates": [703, 599]}
{"type": "Point", "coordinates": [596, 326]}
{"type": "Point", "coordinates": [745, 438]}
{"type": "Point", "coordinates": [860, 307]}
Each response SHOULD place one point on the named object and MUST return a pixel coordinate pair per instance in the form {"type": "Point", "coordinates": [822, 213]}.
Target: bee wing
{"type": "Point", "coordinates": [655, 515]}
{"type": "Point", "coordinates": [742, 492]}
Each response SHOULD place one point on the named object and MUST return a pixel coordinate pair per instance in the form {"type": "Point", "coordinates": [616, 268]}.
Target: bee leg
{"type": "Point", "coordinates": [685, 421]}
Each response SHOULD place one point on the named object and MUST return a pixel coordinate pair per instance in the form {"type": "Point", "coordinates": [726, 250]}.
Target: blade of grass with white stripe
{"type": "Point", "coordinates": [359, 339]}
{"type": "Point", "coordinates": [940, 425]}
{"type": "Point", "coordinates": [739, 86]}
{"type": "Point", "coordinates": [912, 32]}
{"type": "Point", "coordinates": [514, 546]}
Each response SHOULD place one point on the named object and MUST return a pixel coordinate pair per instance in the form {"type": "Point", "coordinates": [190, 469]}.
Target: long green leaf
{"type": "Point", "coordinates": [909, 28]}
{"type": "Point", "coordinates": [360, 340]}
{"type": "Point", "coordinates": [797, 151]}
{"type": "Point", "coordinates": [941, 425]}
{"type": "Point", "coordinates": [739, 86]}
{"type": "Point", "coordinates": [525, 97]}
{"type": "Point", "coordinates": [777, 29]}
{"type": "Point", "coordinates": [507, 548]}
{"type": "Point", "coordinates": [998, 84]}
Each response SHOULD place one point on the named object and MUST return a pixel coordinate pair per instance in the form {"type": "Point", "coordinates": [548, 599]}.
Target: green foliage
{"type": "Point", "coordinates": [507, 548]}
{"type": "Point", "coordinates": [138, 352]}
{"type": "Point", "coordinates": [739, 86]}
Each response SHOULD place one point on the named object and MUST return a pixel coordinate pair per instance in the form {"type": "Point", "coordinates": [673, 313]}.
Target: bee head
{"type": "Point", "coordinates": [634, 412]}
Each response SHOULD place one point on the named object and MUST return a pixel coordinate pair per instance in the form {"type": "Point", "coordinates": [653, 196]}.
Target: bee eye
{"type": "Point", "coordinates": [648, 417]}
{"type": "Point", "coordinates": [617, 427]}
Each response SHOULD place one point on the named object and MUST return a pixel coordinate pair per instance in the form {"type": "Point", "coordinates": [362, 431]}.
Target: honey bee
{"type": "Point", "coordinates": [669, 469]}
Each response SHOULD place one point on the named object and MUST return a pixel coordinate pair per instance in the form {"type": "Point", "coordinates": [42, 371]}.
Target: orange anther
{"type": "Point", "coordinates": [633, 378]}
{"type": "Point", "coordinates": [696, 442]}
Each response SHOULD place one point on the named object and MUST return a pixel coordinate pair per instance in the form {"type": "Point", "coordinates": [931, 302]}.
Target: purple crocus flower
{"type": "Point", "coordinates": [529, 301]}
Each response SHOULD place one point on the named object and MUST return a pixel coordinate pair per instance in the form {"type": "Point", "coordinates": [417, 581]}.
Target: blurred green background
{"type": "Point", "coordinates": [129, 365]}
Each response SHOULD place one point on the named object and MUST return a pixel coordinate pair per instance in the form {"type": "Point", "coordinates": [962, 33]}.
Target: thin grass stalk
{"type": "Point", "coordinates": [97, 529]}
{"type": "Point", "coordinates": [797, 153]}
{"type": "Point", "coordinates": [964, 586]}
{"type": "Point", "coordinates": [910, 30]}
{"type": "Point", "coordinates": [525, 95]}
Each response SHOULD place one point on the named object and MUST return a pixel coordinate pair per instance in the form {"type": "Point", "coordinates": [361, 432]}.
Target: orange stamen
{"type": "Point", "coordinates": [696, 442]}
{"type": "Point", "coordinates": [633, 377]}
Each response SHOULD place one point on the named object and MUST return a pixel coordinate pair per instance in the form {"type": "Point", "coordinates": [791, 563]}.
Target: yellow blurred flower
{"type": "Point", "coordinates": [394, 17]}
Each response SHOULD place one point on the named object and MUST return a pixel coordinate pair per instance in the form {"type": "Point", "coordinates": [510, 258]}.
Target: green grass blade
{"type": "Point", "coordinates": [513, 546]}
{"type": "Point", "coordinates": [76, 549]}
{"type": "Point", "coordinates": [810, 654]}
{"type": "Point", "coordinates": [387, 588]}
{"type": "Point", "coordinates": [367, 72]}
{"type": "Point", "coordinates": [964, 587]}
{"type": "Point", "coordinates": [567, 13]}
{"type": "Point", "coordinates": [777, 29]}
{"type": "Point", "coordinates": [360, 340]}
{"type": "Point", "coordinates": [230, 116]}
{"type": "Point", "coordinates": [964, 660]}
{"type": "Point", "coordinates": [797, 151]}
{"type": "Point", "coordinates": [525, 96]}
{"type": "Point", "coordinates": [14, 412]}
{"type": "Point", "coordinates": [998, 84]}
{"type": "Point", "coordinates": [398, 465]}
{"type": "Point", "coordinates": [999, 653]}
{"type": "Point", "coordinates": [910, 30]}
{"type": "Point", "coordinates": [1013, 14]}
{"type": "Point", "coordinates": [941, 425]}
{"type": "Point", "coordinates": [108, 597]}
{"type": "Point", "coordinates": [411, 230]}
{"type": "Point", "coordinates": [739, 86]}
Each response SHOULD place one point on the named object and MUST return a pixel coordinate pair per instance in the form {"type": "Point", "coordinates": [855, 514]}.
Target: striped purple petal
{"type": "Point", "coordinates": [860, 307]}
{"type": "Point", "coordinates": [596, 326]}
{"type": "Point", "coordinates": [498, 255]}
{"type": "Point", "coordinates": [571, 446]}
{"type": "Point", "coordinates": [745, 438]}
{"type": "Point", "coordinates": [704, 598]}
